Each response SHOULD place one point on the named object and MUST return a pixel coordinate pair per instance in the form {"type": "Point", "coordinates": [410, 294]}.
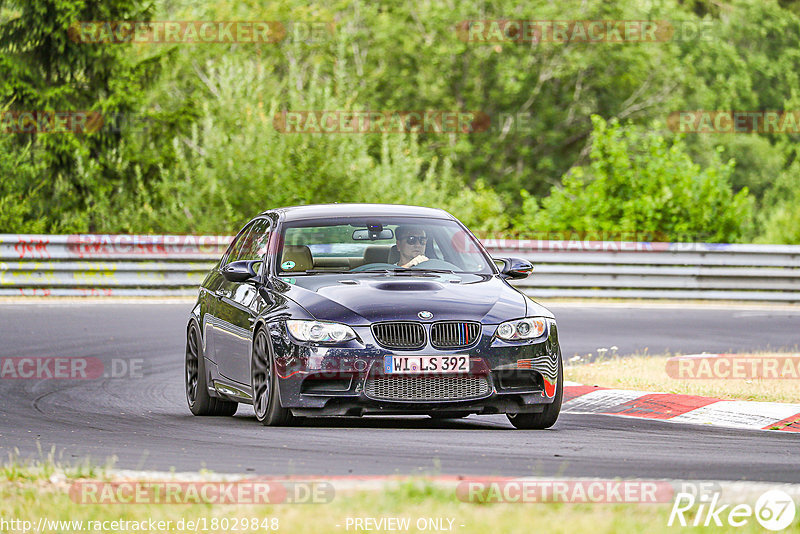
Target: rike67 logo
{"type": "Point", "coordinates": [774, 510]}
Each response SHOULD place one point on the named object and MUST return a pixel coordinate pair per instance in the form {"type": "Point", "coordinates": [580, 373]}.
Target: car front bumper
{"type": "Point", "coordinates": [504, 377]}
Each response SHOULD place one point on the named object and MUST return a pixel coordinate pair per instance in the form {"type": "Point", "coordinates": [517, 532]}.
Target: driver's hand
{"type": "Point", "coordinates": [416, 261]}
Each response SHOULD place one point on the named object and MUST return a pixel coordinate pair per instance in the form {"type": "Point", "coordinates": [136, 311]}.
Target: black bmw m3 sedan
{"type": "Point", "coordinates": [358, 309]}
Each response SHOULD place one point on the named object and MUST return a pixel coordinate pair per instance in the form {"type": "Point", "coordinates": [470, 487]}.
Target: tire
{"type": "Point", "coordinates": [196, 386]}
{"type": "Point", "coordinates": [264, 379]}
{"type": "Point", "coordinates": [547, 418]}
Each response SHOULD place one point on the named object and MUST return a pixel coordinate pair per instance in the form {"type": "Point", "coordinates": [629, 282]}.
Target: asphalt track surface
{"type": "Point", "coordinates": [144, 423]}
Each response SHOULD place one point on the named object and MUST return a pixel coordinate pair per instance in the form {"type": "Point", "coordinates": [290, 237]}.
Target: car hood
{"type": "Point", "coordinates": [365, 299]}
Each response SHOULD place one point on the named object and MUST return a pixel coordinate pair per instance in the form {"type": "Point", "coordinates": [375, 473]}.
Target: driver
{"type": "Point", "coordinates": [411, 242]}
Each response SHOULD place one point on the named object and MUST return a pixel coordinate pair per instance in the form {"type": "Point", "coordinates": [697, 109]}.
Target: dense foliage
{"type": "Point", "coordinates": [638, 183]}
{"type": "Point", "coordinates": [576, 139]}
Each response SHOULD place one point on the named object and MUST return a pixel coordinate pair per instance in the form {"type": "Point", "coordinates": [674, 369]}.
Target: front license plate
{"type": "Point", "coordinates": [453, 363]}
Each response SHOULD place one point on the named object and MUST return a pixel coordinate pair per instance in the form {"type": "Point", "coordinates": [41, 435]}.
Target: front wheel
{"type": "Point", "coordinates": [200, 402]}
{"type": "Point", "coordinates": [266, 399]}
{"type": "Point", "coordinates": [547, 418]}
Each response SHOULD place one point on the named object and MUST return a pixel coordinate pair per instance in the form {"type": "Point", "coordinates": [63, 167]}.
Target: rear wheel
{"type": "Point", "coordinates": [200, 402]}
{"type": "Point", "coordinates": [266, 399]}
{"type": "Point", "coordinates": [547, 418]}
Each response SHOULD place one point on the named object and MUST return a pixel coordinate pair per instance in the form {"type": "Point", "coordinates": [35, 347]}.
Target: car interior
{"type": "Point", "coordinates": [301, 259]}
{"type": "Point", "coordinates": [297, 258]}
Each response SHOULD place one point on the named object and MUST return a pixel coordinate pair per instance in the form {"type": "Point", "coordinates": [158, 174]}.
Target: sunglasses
{"type": "Point", "coordinates": [414, 239]}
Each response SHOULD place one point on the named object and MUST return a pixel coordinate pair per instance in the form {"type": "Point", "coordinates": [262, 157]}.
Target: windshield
{"type": "Point", "coordinates": [395, 244]}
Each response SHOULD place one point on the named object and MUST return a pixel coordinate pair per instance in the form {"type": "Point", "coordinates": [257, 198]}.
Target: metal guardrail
{"type": "Point", "coordinates": [106, 265]}
{"type": "Point", "coordinates": [130, 265]}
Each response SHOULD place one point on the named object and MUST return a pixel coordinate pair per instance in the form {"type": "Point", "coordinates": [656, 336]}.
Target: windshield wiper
{"type": "Point", "coordinates": [410, 270]}
{"type": "Point", "coordinates": [399, 272]}
{"type": "Point", "coordinates": [324, 271]}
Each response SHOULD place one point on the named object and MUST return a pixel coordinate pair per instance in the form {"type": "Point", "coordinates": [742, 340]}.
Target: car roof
{"type": "Point", "coordinates": [324, 211]}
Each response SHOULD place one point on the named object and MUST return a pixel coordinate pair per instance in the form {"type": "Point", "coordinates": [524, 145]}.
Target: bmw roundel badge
{"type": "Point", "coordinates": [424, 314]}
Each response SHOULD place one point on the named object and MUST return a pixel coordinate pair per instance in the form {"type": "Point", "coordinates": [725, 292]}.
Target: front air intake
{"type": "Point", "coordinates": [426, 388]}
{"type": "Point", "coordinates": [454, 334]}
{"type": "Point", "coordinates": [399, 335]}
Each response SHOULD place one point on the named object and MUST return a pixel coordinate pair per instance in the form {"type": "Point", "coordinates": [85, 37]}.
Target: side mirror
{"type": "Point", "coordinates": [241, 271]}
{"type": "Point", "coordinates": [515, 268]}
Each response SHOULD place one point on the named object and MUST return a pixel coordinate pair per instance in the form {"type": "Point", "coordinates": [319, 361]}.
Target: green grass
{"type": "Point", "coordinates": [16, 469]}
{"type": "Point", "coordinates": [649, 373]}
{"type": "Point", "coordinates": [28, 492]}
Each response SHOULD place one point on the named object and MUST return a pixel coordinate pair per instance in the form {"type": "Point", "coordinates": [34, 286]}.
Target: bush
{"type": "Point", "coordinates": [780, 217]}
{"type": "Point", "coordinates": [639, 183]}
{"type": "Point", "coordinates": [234, 163]}
{"type": "Point", "coordinates": [18, 182]}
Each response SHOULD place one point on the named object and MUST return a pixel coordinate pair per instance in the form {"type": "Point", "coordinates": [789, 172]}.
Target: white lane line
{"type": "Point", "coordinates": [600, 401]}
{"type": "Point", "coordinates": [739, 414]}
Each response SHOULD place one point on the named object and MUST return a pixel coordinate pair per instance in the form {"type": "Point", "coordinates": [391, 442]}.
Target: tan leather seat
{"type": "Point", "coordinates": [300, 255]}
{"type": "Point", "coordinates": [381, 254]}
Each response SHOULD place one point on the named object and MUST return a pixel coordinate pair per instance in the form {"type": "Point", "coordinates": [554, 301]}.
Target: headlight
{"type": "Point", "coordinates": [528, 328]}
{"type": "Point", "coordinates": [319, 332]}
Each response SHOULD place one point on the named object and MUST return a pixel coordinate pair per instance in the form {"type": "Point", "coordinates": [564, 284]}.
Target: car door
{"type": "Point", "coordinates": [237, 308]}
{"type": "Point", "coordinates": [211, 291]}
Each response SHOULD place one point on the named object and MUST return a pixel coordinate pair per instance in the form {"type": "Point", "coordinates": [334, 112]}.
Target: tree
{"type": "Point", "coordinates": [43, 68]}
{"type": "Point", "coordinates": [639, 183]}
